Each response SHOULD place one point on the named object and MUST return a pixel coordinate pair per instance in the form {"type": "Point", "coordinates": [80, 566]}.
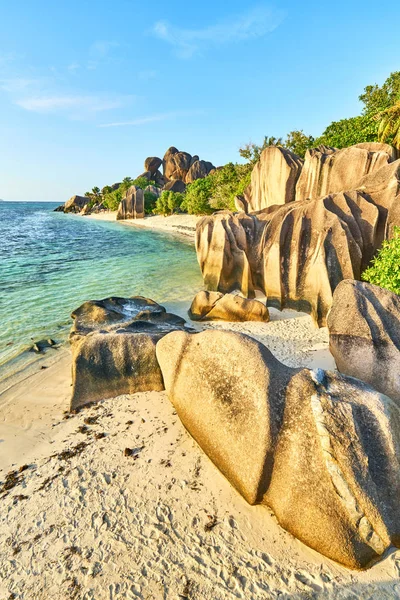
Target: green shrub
{"type": "Point", "coordinates": [385, 267]}
{"type": "Point", "coordinates": [198, 196]}
{"type": "Point", "coordinates": [112, 200]}
{"type": "Point", "coordinates": [142, 182]}
{"type": "Point", "coordinates": [168, 203]}
{"type": "Point", "coordinates": [150, 201]}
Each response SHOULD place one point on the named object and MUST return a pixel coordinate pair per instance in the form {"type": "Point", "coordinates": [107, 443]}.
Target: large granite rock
{"type": "Point", "coordinates": [176, 164]}
{"type": "Point", "coordinates": [198, 170]}
{"type": "Point", "coordinates": [273, 179]}
{"type": "Point", "coordinates": [113, 345]}
{"type": "Point", "coordinates": [152, 189]}
{"type": "Point", "coordinates": [382, 187]}
{"type": "Point", "coordinates": [320, 449]}
{"type": "Point", "coordinates": [132, 206]}
{"type": "Point", "coordinates": [364, 335]}
{"type": "Point", "coordinates": [184, 167]}
{"type": "Point", "coordinates": [296, 254]}
{"type": "Point", "coordinates": [176, 185]}
{"type": "Point", "coordinates": [152, 164]}
{"type": "Point", "coordinates": [328, 170]}
{"type": "Point", "coordinates": [210, 306]}
{"type": "Point", "coordinates": [75, 204]}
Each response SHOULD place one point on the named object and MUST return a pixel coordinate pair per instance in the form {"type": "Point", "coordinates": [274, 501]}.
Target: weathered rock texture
{"type": "Point", "coordinates": [274, 178]}
{"type": "Point", "coordinates": [209, 306]}
{"type": "Point", "coordinates": [132, 206]}
{"type": "Point", "coordinates": [297, 253]}
{"type": "Point", "coordinates": [320, 449]}
{"type": "Point", "coordinates": [364, 335]}
{"type": "Point", "coordinates": [327, 170]}
{"type": "Point", "coordinates": [113, 347]}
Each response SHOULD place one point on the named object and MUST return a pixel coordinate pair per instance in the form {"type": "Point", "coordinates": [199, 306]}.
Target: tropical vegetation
{"type": "Point", "coordinates": [379, 121]}
{"type": "Point", "coordinates": [384, 269]}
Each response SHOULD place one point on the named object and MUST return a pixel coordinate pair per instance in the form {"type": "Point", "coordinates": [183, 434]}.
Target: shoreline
{"type": "Point", "coordinates": [178, 225]}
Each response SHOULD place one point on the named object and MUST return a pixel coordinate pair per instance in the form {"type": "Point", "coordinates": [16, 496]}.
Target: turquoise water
{"type": "Point", "coordinates": [50, 263]}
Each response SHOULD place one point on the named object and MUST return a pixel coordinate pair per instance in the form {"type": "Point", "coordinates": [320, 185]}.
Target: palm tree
{"type": "Point", "coordinates": [389, 125]}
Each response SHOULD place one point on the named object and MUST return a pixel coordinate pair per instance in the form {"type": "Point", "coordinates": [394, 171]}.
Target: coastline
{"type": "Point", "coordinates": [181, 224]}
{"type": "Point", "coordinates": [156, 506]}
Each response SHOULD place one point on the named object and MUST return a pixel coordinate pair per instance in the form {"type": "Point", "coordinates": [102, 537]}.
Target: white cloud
{"type": "Point", "coordinates": [155, 118]}
{"type": "Point", "coordinates": [255, 23]}
{"type": "Point", "coordinates": [74, 105]}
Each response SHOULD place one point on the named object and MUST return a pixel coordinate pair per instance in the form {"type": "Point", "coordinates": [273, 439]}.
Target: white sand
{"type": "Point", "coordinates": [101, 525]}
{"type": "Point", "coordinates": [177, 224]}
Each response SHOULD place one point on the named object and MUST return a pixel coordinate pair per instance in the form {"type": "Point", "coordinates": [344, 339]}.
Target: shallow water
{"type": "Point", "coordinates": [50, 263]}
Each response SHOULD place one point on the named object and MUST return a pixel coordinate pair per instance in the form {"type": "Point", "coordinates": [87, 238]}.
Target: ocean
{"type": "Point", "coordinates": [51, 262]}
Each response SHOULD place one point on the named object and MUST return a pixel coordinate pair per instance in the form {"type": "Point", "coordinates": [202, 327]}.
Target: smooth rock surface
{"type": "Point", "coordinates": [364, 335]}
{"type": "Point", "coordinates": [273, 179]}
{"type": "Point", "coordinates": [209, 306]}
{"type": "Point", "coordinates": [322, 450]}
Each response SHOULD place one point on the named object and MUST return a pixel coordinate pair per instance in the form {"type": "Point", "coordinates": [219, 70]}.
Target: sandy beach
{"type": "Point", "coordinates": [182, 224]}
{"type": "Point", "coordinates": [85, 521]}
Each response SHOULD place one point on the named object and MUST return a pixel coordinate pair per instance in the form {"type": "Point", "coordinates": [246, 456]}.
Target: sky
{"type": "Point", "coordinates": [90, 88]}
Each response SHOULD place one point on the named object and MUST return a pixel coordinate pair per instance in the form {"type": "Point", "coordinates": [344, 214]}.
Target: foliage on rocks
{"type": "Point", "coordinates": [384, 270]}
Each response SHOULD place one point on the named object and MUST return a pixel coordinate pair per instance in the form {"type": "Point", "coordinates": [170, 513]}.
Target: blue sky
{"type": "Point", "coordinates": [89, 89]}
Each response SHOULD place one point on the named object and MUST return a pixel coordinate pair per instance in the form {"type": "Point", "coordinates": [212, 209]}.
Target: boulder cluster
{"type": "Point", "coordinates": [319, 448]}
{"type": "Point", "coordinates": [304, 226]}
{"type": "Point", "coordinates": [178, 169]}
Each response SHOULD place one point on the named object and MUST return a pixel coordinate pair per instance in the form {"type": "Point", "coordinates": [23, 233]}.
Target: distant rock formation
{"type": "Point", "coordinates": [320, 449]}
{"type": "Point", "coordinates": [298, 253]}
{"type": "Point", "coordinates": [132, 206]}
{"type": "Point", "coordinates": [364, 335]}
{"type": "Point", "coordinates": [209, 306]}
{"type": "Point", "coordinates": [113, 345]}
{"type": "Point", "coordinates": [273, 179]}
{"type": "Point", "coordinates": [74, 205]}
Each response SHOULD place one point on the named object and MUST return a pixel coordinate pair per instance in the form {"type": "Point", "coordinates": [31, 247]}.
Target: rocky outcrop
{"type": "Point", "coordinates": [241, 204]}
{"type": "Point", "coordinates": [152, 164]}
{"type": "Point", "coordinates": [327, 170]}
{"type": "Point", "coordinates": [383, 189]}
{"type": "Point", "coordinates": [209, 306]}
{"type": "Point", "coordinates": [183, 167]}
{"type": "Point", "coordinates": [152, 189]}
{"type": "Point", "coordinates": [364, 335]}
{"type": "Point", "coordinates": [295, 254]}
{"type": "Point", "coordinates": [298, 253]}
{"type": "Point", "coordinates": [273, 179]}
{"type": "Point", "coordinates": [175, 186]}
{"type": "Point", "coordinates": [113, 345]}
{"type": "Point", "coordinates": [132, 206]}
{"type": "Point", "coordinates": [320, 449]}
{"type": "Point", "coordinates": [74, 205]}
{"type": "Point", "coordinates": [176, 164]}
{"type": "Point", "coordinates": [198, 170]}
